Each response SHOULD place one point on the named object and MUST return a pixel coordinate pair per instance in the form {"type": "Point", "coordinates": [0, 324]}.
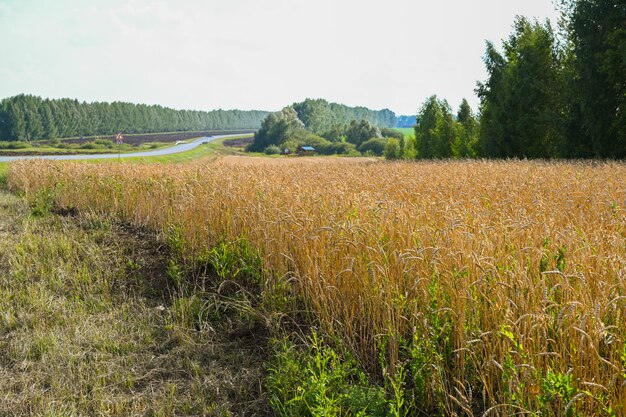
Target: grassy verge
{"type": "Point", "coordinates": [86, 149]}
{"type": "Point", "coordinates": [211, 149]}
{"type": "Point", "coordinates": [96, 320]}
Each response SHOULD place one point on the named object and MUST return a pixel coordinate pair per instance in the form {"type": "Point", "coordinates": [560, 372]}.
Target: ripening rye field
{"type": "Point", "coordinates": [494, 287]}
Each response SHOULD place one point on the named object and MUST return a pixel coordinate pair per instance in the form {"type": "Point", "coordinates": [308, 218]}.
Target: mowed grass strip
{"type": "Point", "coordinates": [479, 285]}
{"type": "Point", "coordinates": [208, 151]}
{"type": "Point", "coordinates": [91, 325]}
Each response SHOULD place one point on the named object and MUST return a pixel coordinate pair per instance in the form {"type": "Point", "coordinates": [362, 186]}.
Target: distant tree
{"type": "Point", "coordinates": [406, 121]}
{"type": "Point", "coordinates": [392, 149]}
{"type": "Point", "coordinates": [315, 114]}
{"type": "Point", "coordinates": [50, 130]}
{"type": "Point", "coordinates": [335, 148]}
{"type": "Point", "coordinates": [272, 150]}
{"type": "Point", "coordinates": [25, 117]}
{"type": "Point", "coordinates": [374, 146]}
{"type": "Point", "coordinates": [391, 133]}
{"type": "Point", "coordinates": [361, 131]}
{"type": "Point", "coordinates": [436, 133]}
{"type": "Point", "coordinates": [319, 115]}
{"type": "Point", "coordinates": [276, 129]}
{"type": "Point", "coordinates": [336, 133]}
{"type": "Point", "coordinates": [468, 134]}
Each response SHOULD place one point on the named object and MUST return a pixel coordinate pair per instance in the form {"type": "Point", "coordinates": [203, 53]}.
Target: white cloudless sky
{"type": "Point", "coordinates": [253, 54]}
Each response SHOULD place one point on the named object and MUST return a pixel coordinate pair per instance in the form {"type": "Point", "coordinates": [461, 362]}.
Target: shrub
{"type": "Point", "coordinates": [392, 149]}
{"type": "Point", "coordinates": [107, 143]}
{"type": "Point", "coordinates": [89, 145]}
{"type": "Point", "coordinates": [54, 142]}
{"type": "Point", "coordinates": [14, 145]}
{"type": "Point", "coordinates": [292, 145]}
{"type": "Point", "coordinates": [391, 133]}
{"type": "Point", "coordinates": [336, 148]}
{"type": "Point", "coordinates": [272, 150]}
{"type": "Point", "coordinates": [374, 146]}
{"type": "Point", "coordinates": [320, 382]}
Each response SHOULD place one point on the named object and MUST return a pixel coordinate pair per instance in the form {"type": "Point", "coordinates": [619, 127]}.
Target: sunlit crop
{"type": "Point", "coordinates": [495, 286]}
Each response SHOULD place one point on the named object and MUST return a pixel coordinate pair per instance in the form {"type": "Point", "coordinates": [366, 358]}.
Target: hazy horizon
{"type": "Point", "coordinates": [247, 55]}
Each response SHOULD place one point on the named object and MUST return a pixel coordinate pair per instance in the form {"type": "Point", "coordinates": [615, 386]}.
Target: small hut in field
{"type": "Point", "coordinates": [305, 150]}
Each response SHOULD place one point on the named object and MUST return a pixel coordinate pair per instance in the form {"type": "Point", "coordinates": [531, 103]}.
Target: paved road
{"type": "Point", "coordinates": [167, 151]}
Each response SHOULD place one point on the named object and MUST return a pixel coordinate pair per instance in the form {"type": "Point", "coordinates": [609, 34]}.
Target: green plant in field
{"type": "Point", "coordinates": [550, 260]}
{"type": "Point", "coordinates": [41, 203]}
{"type": "Point", "coordinates": [623, 358]}
{"type": "Point", "coordinates": [557, 390]}
{"type": "Point", "coordinates": [425, 365]}
{"type": "Point", "coordinates": [175, 273]}
{"type": "Point", "coordinates": [235, 261]}
{"type": "Point", "coordinates": [396, 382]}
{"type": "Point", "coordinates": [319, 382]}
{"type": "Point", "coordinates": [396, 376]}
{"type": "Point", "coordinates": [175, 240]}
{"type": "Point", "coordinates": [519, 378]}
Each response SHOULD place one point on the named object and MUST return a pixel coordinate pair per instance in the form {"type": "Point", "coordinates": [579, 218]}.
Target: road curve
{"type": "Point", "coordinates": [157, 152]}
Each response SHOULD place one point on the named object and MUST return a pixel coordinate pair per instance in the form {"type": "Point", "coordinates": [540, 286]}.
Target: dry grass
{"type": "Point", "coordinates": [89, 327]}
{"type": "Point", "coordinates": [495, 284]}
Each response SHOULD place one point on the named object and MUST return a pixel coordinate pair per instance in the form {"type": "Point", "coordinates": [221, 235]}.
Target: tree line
{"type": "Point", "coordinates": [329, 127]}
{"type": "Point", "coordinates": [28, 118]}
{"type": "Point", "coordinates": [319, 115]}
{"type": "Point", "coordinates": [549, 93]}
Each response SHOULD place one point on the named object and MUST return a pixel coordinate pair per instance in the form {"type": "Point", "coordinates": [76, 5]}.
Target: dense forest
{"type": "Point", "coordinates": [549, 93]}
{"type": "Point", "coordinates": [28, 118]}
{"type": "Point", "coordinates": [319, 115]}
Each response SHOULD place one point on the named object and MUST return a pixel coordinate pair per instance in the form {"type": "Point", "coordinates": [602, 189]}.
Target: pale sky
{"type": "Point", "coordinates": [253, 54]}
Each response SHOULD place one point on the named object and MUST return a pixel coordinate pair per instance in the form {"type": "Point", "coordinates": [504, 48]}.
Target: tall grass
{"type": "Point", "coordinates": [497, 287]}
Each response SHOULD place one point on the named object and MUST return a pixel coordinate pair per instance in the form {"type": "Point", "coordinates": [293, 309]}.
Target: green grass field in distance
{"type": "Point", "coordinates": [406, 131]}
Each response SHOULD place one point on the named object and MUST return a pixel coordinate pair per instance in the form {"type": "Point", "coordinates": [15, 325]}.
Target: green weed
{"type": "Point", "coordinates": [319, 382]}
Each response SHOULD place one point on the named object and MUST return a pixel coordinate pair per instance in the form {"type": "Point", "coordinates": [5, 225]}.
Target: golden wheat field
{"type": "Point", "coordinates": [491, 283]}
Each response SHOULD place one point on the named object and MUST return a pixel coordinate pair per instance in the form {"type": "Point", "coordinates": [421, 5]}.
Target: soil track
{"type": "Point", "coordinates": [238, 143]}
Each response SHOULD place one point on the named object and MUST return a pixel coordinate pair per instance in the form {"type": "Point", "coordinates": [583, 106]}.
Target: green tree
{"type": "Point", "coordinates": [436, 132]}
{"type": "Point", "coordinates": [24, 117]}
{"type": "Point", "coordinates": [50, 130]}
{"type": "Point", "coordinates": [521, 102]}
{"type": "Point", "coordinates": [597, 30]}
{"type": "Point", "coordinates": [319, 115]}
{"type": "Point", "coordinates": [468, 134]}
{"type": "Point", "coordinates": [361, 131]}
{"type": "Point", "coordinates": [375, 146]}
{"type": "Point", "coordinates": [276, 129]}
{"type": "Point", "coordinates": [16, 122]}
{"type": "Point", "coordinates": [336, 133]}
{"type": "Point", "coordinates": [392, 149]}
{"type": "Point", "coordinates": [391, 133]}
{"type": "Point", "coordinates": [315, 114]}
